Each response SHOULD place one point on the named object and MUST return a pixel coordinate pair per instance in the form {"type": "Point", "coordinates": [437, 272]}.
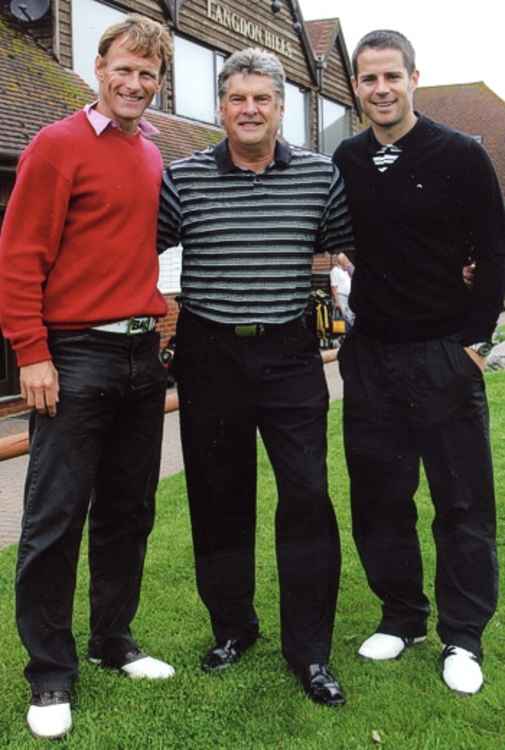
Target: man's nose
{"type": "Point", "coordinates": [382, 85]}
{"type": "Point", "coordinates": [250, 105]}
{"type": "Point", "coordinates": [133, 79]}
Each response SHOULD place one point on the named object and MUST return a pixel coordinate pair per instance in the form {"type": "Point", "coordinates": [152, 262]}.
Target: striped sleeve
{"type": "Point", "coordinates": [170, 214]}
{"type": "Point", "coordinates": [335, 230]}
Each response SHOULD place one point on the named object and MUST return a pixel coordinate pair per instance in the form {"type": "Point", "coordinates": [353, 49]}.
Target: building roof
{"type": "Point", "coordinates": [179, 137]}
{"type": "Point", "coordinates": [450, 97]}
{"type": "Point", "coordinates": [472, 108]}
{"type": "Point", "coordinates": [36, 90]}
{"type": "Point", "coordinates": [322, 35]}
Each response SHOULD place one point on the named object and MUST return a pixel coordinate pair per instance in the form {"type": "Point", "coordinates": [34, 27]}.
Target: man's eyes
{"type": "Point", "coordinates": [143, 73]}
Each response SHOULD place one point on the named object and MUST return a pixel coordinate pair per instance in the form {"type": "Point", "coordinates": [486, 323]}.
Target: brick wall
{"type": "Point", "coordinates": [166, 325]}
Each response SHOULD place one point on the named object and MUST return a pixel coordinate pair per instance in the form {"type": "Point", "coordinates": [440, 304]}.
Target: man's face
{"type": "Point", "coordinates": [127, 84]}
{"type": "Point", "coordinates": [251, 111]}
{"type": "Point", "coordinates": [385, 88]}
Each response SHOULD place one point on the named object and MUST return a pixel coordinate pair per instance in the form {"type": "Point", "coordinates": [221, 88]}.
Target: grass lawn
{"type": "Point", "coordinates": [398, 706]}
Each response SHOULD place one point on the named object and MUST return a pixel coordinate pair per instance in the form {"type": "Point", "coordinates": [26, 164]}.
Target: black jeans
{"type": "Point", "coordinates": [104, 443]}
{"type": "Point", "coordinates": [404, 403]}
{"type": "Point", "coordinates": [229, 387]}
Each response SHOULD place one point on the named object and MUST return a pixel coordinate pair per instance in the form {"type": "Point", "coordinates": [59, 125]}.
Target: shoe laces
{"type": "Point", "coordinates": [50, 697]}
{"type": "Point", "coordinates": [230, 646]}
{"type": "Point", "coordinates": [319, 673]}
{"type": "Point", "coordinates": [458, 651]}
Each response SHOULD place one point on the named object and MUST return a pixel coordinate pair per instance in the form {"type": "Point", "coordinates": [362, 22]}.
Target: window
{"type": "Point", "coordinates": [295, 125]}
{"type": "Point", "coordinates": [170, 270]}
{"type": "Point", "coordinates": [89, 20]}
{"type": "Point", "coordinates": [334, 125]}
{"type": "Point", "coordinates": [196, 69]}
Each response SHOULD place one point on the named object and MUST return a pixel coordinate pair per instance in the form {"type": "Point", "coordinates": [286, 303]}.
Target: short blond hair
{"type": "Point", "coordinates": [145, 36]}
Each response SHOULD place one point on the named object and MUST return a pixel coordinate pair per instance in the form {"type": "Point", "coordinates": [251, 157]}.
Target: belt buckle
{"type": "Point", "coordinates": [249, 329]}
{"type": "Point", "coordinates": [138, 325]}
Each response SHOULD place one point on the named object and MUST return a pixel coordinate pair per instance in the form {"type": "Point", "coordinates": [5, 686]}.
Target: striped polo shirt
{"type": "Point", "coordinates": [248, 239]}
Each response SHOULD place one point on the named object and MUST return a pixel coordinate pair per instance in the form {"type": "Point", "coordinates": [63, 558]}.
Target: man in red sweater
{"type": "Point", "coordinates": [79, 301]}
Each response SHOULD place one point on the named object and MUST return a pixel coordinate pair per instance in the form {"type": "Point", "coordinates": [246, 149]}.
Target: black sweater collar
{"type": "Point", "coordinates": [408, 141]}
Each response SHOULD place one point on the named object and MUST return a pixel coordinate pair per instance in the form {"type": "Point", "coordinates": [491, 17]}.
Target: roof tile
{"type": "Point", "coordinates": [321, 35]}
{"type": "Point", "coordinates": [36, 90]}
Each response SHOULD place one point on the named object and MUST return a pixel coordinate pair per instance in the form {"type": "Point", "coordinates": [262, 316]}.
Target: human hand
{"type": "Point", "coordinates": [469, 274]}
{"type": "Point", "coordinates": [40, 386]}
{"type": "Point", "coordinates": [479, 361]}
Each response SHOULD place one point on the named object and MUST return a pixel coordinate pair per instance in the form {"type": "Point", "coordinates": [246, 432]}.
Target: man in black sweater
{"type": "Point", "coordinates": [424, 201]}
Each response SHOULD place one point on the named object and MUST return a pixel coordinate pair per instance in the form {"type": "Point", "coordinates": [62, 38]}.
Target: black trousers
{"type": "Point", "coordinates": [230, 386]}
{"type": "Point", "coordinates": [106, 437]}
{"type": "Point", "coordinates": [404, 403]}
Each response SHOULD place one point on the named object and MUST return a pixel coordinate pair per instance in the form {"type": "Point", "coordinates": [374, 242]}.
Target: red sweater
{"type": "Point", "coordinates": [77, 246]}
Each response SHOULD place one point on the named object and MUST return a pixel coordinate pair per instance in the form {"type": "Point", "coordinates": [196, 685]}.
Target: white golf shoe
{"type": "Point", "coordinates": [461, 670]}
{"type": "Point", "coordinates": [381, 646]}
{"type": "Point", "coordinates": [49, 716]}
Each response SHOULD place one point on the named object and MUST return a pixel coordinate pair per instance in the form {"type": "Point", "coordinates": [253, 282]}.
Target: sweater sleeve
{"type": "Point", "coordinates": [485, 219]}
{"type": "Point", "coordinates": [170, 214]}
{"type": "Point", "coordinates": [335, 230]}
{"type": "Point", "coordinates": [29, 244]}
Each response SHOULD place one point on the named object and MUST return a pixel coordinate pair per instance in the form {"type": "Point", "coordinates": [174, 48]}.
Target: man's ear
{"type": "Point", "coordinates": [414, 80]}
{"type": "Point", "coordinates": [99, 64]}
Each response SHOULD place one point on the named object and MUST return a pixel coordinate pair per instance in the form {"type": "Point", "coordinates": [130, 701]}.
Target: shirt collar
{"type": "Point", "coordinates": [407, 140]}
{"type": "Point", "coordinates": [100, 122]}
{"type": "Point", "coordinates": [282, 156]}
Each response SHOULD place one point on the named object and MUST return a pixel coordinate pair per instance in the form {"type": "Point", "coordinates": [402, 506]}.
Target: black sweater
{"type": "Point", "coordinates": [415, 226]}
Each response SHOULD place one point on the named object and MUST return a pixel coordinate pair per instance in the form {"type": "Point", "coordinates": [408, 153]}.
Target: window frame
{"type": "Point", "coordinates": [307, 108]}
{"type": "Point", "coordinates": [216, 53]}
{"type": "Point", "coordinates": [320, 115]}
{"type": "Point", "coordinates": [158, 102]}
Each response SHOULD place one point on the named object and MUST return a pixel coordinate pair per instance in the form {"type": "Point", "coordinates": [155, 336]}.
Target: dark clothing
{"type": "Point", "coordinates": [403, 403]}
{"type": "Point", "coordinates": [411, 392]}
{"type": "Point", "coordinates": [106, 436]}
{"type": "Point", "coordinates": [230, 386]}
{"type": "Point", "coordinates": [248, 241]}
{"type": "Point", "coordinates": [415, 226]}
{"type": "Point", "coordinates": [249, 238]}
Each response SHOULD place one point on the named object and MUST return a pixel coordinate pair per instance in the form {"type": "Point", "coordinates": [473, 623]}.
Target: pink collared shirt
{"type": "Point", "coordinates": [100, 122]}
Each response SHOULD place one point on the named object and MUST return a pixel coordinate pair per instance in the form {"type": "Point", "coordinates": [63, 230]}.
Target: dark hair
{"type": "Point", "coordinates": [385, 39]}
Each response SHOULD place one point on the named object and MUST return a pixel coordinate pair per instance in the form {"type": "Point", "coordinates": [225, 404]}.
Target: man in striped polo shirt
{"type": "Point", "coordinates": [250, 213]}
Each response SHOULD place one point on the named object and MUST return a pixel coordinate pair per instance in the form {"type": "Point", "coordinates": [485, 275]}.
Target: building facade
{"type": "Point", "coordinates": [46, 72]}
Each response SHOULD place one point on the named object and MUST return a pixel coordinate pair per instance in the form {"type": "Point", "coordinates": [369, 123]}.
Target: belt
{"type": "Point", "coordinates": [129, 326]}
{"type": "Point", "coordinates": [249, 329]}
{"type": "Point", "coordinates": [245, 330]}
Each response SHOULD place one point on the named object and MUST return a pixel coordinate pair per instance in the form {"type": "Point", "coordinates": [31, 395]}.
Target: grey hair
{"type": "Point", "coordinates": [253, 61]}
{"type": "Point", "coordinates": [386, 39]}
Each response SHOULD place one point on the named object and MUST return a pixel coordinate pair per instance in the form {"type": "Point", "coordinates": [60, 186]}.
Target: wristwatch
{"type": "Point", "coordinates": [482, 348]}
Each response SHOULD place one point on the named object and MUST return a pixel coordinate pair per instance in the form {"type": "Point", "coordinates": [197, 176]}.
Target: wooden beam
{"type": "Point", "coordinates": [13, 446]}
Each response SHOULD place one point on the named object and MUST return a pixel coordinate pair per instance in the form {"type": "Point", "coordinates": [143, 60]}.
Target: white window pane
{"type": "Point", "coordinates": [294, 127]}
{"type": "Point", "coordinates": [334, 124]}
{"type": "Point", "coordinates": [170, 270]}
{"type": "Point", "coordinates": [194, 81]}
{"type": "Point", "coordinates": [89, 21]}
{"type": "Point", "coordinates": [219, 66]}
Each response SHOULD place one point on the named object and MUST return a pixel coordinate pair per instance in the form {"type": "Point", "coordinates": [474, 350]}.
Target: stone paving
{"type": "Point", "coordinates": [12, 472]}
